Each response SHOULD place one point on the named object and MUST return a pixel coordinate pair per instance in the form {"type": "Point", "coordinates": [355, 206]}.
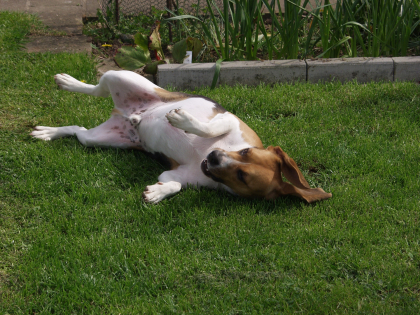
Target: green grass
{"type": "Point", "coordinates": [76, 237]}
{"type": "Point", "coordinates": [15, 26]}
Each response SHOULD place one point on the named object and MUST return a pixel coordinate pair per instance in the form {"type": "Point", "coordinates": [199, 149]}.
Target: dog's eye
{"type": "Point", "coordinates": [241, 176]}
{"type": "Point", "coordinates": [244, 152]}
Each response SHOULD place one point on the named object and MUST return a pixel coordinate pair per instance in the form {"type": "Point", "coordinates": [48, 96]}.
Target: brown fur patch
{"type": "Point", "coordinates": [249, 135]}
{"type": "Point", "coordinates": [116, 112]}
{"type": "Point", "coordinates": [166, 96]}
{"type": "Point", "coordinates": [164, 160]}
{"type": "Point", "coordinates": [217, 109]}
{"type": "Point", "coordinates": [174, 164]}
{"type": "Point", "coordinates": [258, 169]}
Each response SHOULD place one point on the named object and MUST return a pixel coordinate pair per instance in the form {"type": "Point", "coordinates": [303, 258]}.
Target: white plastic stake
{"type": "Point", "coordinates": [188, 57]}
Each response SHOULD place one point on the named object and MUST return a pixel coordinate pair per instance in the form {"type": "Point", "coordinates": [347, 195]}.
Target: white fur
{"type": "Point", "coordinates": [181, 130]}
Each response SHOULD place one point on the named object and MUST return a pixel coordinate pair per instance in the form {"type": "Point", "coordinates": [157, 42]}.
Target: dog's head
{"type": "Point", "coordinates": [256, 172]}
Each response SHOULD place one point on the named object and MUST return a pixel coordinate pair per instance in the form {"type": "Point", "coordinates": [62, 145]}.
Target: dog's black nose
{"type": "Point", "coordinates": [213, 158]}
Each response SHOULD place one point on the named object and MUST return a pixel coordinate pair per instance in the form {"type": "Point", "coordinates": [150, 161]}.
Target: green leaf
{"type": "Point", "coordinates": [131, 58]}
{"type": "Point", "coordinates": [151, 68]}
{"type": "Point", "coordinates": [179, 51]}
{"type": "Point", "coordinates": [182, 17]}
{"type": "Point", "coordinates": [141, 41]}
{"type": "Point", "coordinates": [216, 73]}
{"type": "Point", "coordinates": [155, 42]}
{"type": "Point", "coordinates": [195, 45]}
{"type": "Point", "coordinates": [345, 39]}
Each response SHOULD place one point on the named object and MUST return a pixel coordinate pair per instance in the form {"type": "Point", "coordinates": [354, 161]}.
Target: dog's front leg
{"type": "Point", "coordinates": [217, 126]}
{"type": "Point", "coordinates": [170, 183]}
{"type": "Point", "coordinates": [161, 190]}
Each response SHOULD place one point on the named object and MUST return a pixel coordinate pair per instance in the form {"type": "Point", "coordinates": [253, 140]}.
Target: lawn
{"type": "Point", "coordinates": [76, 237]}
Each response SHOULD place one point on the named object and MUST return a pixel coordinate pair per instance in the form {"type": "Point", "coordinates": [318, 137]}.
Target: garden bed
{"type": "Point", "coordinates": [239, 30]}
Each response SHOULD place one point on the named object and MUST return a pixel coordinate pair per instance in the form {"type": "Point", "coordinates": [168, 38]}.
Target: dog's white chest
{"type": "Point", "coordinates": [158, 135]}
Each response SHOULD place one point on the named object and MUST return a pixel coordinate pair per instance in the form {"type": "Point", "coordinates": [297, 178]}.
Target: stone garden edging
{"type": "Point", "coordinates": [191, 76]}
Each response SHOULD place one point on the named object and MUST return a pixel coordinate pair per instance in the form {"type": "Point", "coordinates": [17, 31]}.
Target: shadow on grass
{"type": "Point", "coordinates": [133, 170]}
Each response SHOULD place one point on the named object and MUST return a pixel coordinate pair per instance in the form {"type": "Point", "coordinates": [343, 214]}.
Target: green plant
{"type": "Point", "coordinates": [333, 30]}
{"type": "Point", "coordinates": [106, 29]}
{"type": "Point", "coordinates": [378, 27]}
{"type": "Point", "coordinates": [237, 30]}
{"type": "Point", "coordinates": [180, 49]}
{"type": "Point", "coordinates": [134, 57]}
{"type": "Point", "coordinates": [391, 24]}
{"type": "Point", "coordinates": [233, 31]}
{"type": "Point", "coordinates": [289, 25]}
{"type": "Point", "coordinates": [131, 58]}
{"type": "Point", "coordinates": [14, 27]}
{"type": "Point", "coordinates": [184, 28]}
{"type": "Point", "coordinates": [239, 39]}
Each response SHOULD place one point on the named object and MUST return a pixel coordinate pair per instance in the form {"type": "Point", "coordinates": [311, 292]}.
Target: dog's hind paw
{"type": "Point", "coordinates": [67, 82]}
{"type": "Point", "coordinates": [158, 192]}
{"type": "Point", "coordinates": [44, 133]}
{"type": "Point", "coordinates": [134, 119]}
{"type": "Point", "coordinates": [52, 133]}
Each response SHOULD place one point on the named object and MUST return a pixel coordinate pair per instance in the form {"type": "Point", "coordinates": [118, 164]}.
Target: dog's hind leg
{"type": "Point", "coordinates": [68, 83]}
{"type": "Point", "coordinates": [132, 94]}
{"type": "Point", "coordinates": [125, 87]}
{"type": "Point", "coordinates": [117, 132]}
{"type": "Point", "coordinates": [52, 133]}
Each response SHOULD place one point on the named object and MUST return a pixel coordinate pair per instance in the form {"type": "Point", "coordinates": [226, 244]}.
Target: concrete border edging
{"type": "Point", "coordinates": [273, 71]}
{"type": "Point", "coordinates": [186, 76]}
{"type": "Point", "coordinates": [347, 69]}
{"type": "Point", "coordinates": [406, 68]}
{"type": "Point", "coordinates": [191, 76]}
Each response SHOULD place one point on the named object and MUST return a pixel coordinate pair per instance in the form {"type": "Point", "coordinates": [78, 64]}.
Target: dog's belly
{"type": "Point", "coordinates": [157, 135]}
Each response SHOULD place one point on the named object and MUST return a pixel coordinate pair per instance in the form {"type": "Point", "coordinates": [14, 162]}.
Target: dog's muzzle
{"type": "Point", "coordinates": [213, 160]}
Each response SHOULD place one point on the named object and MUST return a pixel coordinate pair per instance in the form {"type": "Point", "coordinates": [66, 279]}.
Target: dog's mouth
{"type": "Point", "coordinates": [205, 170]}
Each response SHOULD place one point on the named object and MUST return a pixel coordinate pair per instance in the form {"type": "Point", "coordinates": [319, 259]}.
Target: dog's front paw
{"type": "Point", "coordinates": [182, 120]}
{"type": "Point", "coordinates": [158, 192]}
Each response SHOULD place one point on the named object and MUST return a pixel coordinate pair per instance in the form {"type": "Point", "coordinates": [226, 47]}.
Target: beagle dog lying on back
{"type": "Point", "coordinates": [205, 145]}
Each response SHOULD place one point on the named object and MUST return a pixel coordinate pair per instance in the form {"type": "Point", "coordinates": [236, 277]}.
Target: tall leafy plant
{"type": "Point", "coordinates": [134, 57]}
{"type": "Point", "coordinates": [232, 31]}
{"type": "Point", "coordinates": [391, 24]}
{"type": "Point", "coordinates": [289, 24]}
{"type": "Point", "coordinates": [333, 29]}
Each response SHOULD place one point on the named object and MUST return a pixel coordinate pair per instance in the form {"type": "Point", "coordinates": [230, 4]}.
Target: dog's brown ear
{"type": "Point", "coordinates": [309, 194]}
{"type": "Point", "coordinates": [289, 168]}
{"type": "Point", "coordinates": [291, 171]}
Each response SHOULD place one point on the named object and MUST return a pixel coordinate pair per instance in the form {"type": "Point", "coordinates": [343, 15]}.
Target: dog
{"type": "Point", "coordinates": [205, 145]}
